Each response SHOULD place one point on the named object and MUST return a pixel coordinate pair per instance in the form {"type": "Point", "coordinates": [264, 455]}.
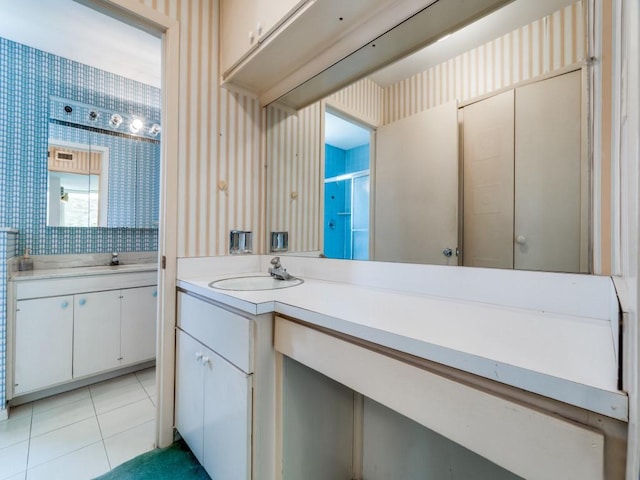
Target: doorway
{"type": "Point", "coordinates": [346, 188]}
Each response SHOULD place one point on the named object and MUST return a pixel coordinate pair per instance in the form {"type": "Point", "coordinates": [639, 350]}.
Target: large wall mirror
{"type": "Point", "coordinates": [473, 151]}
{"type": "Point", "coordinates": [103, 169]}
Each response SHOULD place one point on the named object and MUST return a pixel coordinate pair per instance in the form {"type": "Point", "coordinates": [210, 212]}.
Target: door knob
{"type": "Point", "coordinates": [447, 252]}
{"type": "Point", "coordinates": [521, 239]}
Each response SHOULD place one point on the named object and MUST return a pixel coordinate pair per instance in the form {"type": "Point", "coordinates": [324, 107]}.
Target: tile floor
{"type": "Point", "coordinates": [80, 434]}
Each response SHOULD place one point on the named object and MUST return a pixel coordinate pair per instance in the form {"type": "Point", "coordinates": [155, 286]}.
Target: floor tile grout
{"type": "Point", "coordinates": [32, 414]}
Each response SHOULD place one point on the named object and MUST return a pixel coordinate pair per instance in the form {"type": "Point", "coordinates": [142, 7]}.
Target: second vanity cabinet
{"type": "Point", "coordinates": [113, 329]}
{"type": "Point", "coordinates": [66, 337]}
{"type": "Point", "coordinates": [225, 389]}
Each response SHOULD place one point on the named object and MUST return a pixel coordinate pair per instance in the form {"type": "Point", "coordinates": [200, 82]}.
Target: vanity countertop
{"type": "Point", "coordinates": [569, 358]}
{"type": "Point", "coordinates": [40, 274]}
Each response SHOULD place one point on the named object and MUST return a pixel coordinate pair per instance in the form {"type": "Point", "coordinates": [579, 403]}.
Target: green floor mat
{"type": "Point", "coordinates": [172, 463]}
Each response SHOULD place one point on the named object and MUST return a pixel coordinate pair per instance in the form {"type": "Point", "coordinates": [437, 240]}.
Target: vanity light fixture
{"type": "Point", "coordinates": [154, 130]}
{"type": "Point", "coordinates": [93, 115]}
{"type": "Point", "coordinates": [136, 125]}
{"type": "Point", "coordinates": [115, 120]}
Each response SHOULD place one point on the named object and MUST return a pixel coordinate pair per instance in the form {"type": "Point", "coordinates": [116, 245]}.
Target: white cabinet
{"type": "Point", "coordinates": [213, 409]}
{"type": "Point", "coordinates": [43, 343]}
{"type": "Point", "coordinates": [61, 338]}
{"type": "Point", "coordinates": [96, 332]}
{"type": "Point", "coordinates": [138, 324]}
{"type": "Point", "coordinates": [113, 328]}
{"type": "Point", "coordinates": [245, 23]}
{"type": "Point", "coordinates": [225, 389]}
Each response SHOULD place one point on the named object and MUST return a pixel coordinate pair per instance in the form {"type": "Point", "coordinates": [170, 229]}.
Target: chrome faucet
{"type": "Point", "coordinates": [114, 259]}
{"type": "Point", "coordinates": [277, 271]}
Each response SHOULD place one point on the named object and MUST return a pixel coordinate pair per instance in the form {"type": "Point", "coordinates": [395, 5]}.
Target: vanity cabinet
{"type": "Point", "coordinates": [96, 332]}
{"type": "Point", "coordinates": [112, 329]}
{"type": "Point", "coordinates": [138, 324]}
{"type": "Point", "coordinates": [43, 343]}
{"type": "Point", "coordinates": [225, 389]}
{"type": "Point", "coordinates": [67, 329]}
{"type": "Point", "coordinates": [213, 409]}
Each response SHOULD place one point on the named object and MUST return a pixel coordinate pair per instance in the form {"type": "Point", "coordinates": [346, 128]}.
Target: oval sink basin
{"type": "Point", "coordinates": [254, 283]}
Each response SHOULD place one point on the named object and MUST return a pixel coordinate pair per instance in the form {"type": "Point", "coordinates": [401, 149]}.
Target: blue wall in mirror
{"type": "Point", "coordinates": [346, 203]}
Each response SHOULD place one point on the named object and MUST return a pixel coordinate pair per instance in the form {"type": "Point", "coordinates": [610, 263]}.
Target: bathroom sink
{"type": "Point", "coordinates": [254, 283]}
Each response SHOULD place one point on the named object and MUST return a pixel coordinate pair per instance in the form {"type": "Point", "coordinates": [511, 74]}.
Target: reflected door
{"type": "Point", "coordinates": [548, 177]}
{"type": "Point", "coordinates": [417, 168]}
{"type": "Point", "coordinates": [487, 235]}
{"type": "Point", "coordinates": [525, 193]}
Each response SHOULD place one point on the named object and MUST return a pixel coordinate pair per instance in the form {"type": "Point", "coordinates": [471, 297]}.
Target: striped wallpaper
{"type": "Point", "coordinates": [551, 43]}
{"type": "Point", "coordinates": [362, 100]}
{"type": "Point", "coordinates": [221, 179]}
{"type": "Point", "coordinates": [294, 152]}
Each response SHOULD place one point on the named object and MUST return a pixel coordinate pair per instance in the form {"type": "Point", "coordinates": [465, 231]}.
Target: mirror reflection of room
{"type": "Point", "coordinates": [346, 189]}
{"type": "Point", "coordinates": [481, 148]}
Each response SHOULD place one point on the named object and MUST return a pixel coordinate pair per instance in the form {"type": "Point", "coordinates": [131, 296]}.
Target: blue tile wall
{"type": "Point", "coordinates": [338, 161]}
{"type": "Point", "coordinates": [334, 161]}
{"type": "Point", "coordinates": [357, 159]}
{"type": "Point", "coordinates": [28, 77]}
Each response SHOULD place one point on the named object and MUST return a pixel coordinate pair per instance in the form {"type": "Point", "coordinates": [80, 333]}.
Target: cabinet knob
{"type": "Point", "coordinates": [521, 239]}
{"type": "Point", "coordinates": [251, 38]}
{"type": "Point", "coordinates": [82, 302]}
{"type": "Point", "coordinates": [198, 356]}
{"type": "Point", "coordinates": [259, 28]}
{"type": "Point", "coordinates": [154, 294]}
{"type": "Point", "coordinates": [64, 304]}
{"type": "Point", "coordinates": [205, 360]}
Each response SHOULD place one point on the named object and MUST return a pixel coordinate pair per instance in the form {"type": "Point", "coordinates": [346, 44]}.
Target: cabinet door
{"type": "Point", "coordinates": [96, 332]}
{"type": "Point", "coordinates": [271, 13]}
{"type": "Point", "coordinates": [43, 346]}
{"type": "Point", "coordinates": [189, 392]}
{"type": "Point", "coordinates": [237, 31]}
{"type": "Point", "coordinates": [138, 324]}
{"type": "Point", "coordinates": [227, 419]}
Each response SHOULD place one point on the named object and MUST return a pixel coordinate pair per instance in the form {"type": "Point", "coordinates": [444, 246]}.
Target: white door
{"type": "Point", "coordinates": [96, 332]}
{"type": "Point", "coordinates": [417, 167]}
{"type": "Point", "coordinates": [138, 324]}
{"type": "Point", "coordinates": [190, 393]}
{"type": "Point", "coordinates": [487, 235]}
{"type": "Point", "coordinates": [43, 346]}
{"type": "Point", "coordinates": [227, 419]}
{"type": "Point", "coordinates": [548, 197]}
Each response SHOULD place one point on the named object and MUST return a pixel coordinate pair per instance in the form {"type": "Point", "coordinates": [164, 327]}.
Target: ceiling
{"type": "Point", "coordinates": [68, 29]}
{"type": "Point", "coordinates": [343, 134]}
{"type": "Point", "coordinates": [71, 30]}
{"type": "Point", "coordinates": [514, 15]}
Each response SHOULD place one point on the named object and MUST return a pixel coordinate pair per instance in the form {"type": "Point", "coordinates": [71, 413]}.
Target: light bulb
{"type": "Point", "coordinates": [154, 130]}
{"type": "Point", "coordinates": [115, 120]}
{"type": "Point", "coordinates": [136, 125]}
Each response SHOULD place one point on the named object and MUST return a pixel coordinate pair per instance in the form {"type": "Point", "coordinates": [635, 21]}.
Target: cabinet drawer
{"type": "Point", "coordinates": [227, 334]}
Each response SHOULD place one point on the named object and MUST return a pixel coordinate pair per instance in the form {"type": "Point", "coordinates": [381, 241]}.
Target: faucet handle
{"type": "Point", "coordinates": [275, 261]}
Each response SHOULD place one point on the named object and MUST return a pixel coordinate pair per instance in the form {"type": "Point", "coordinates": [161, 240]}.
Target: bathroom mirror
{"type": "Point", "coordinates": [477, 152]}
{"type": "Point", "coordinates": [99, 178]}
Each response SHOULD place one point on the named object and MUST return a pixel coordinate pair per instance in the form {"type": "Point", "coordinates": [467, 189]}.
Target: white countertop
{"type": "Point", "coordinates": [40, 274]}
{"type": "Point", "coordinates": [566, 357]}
